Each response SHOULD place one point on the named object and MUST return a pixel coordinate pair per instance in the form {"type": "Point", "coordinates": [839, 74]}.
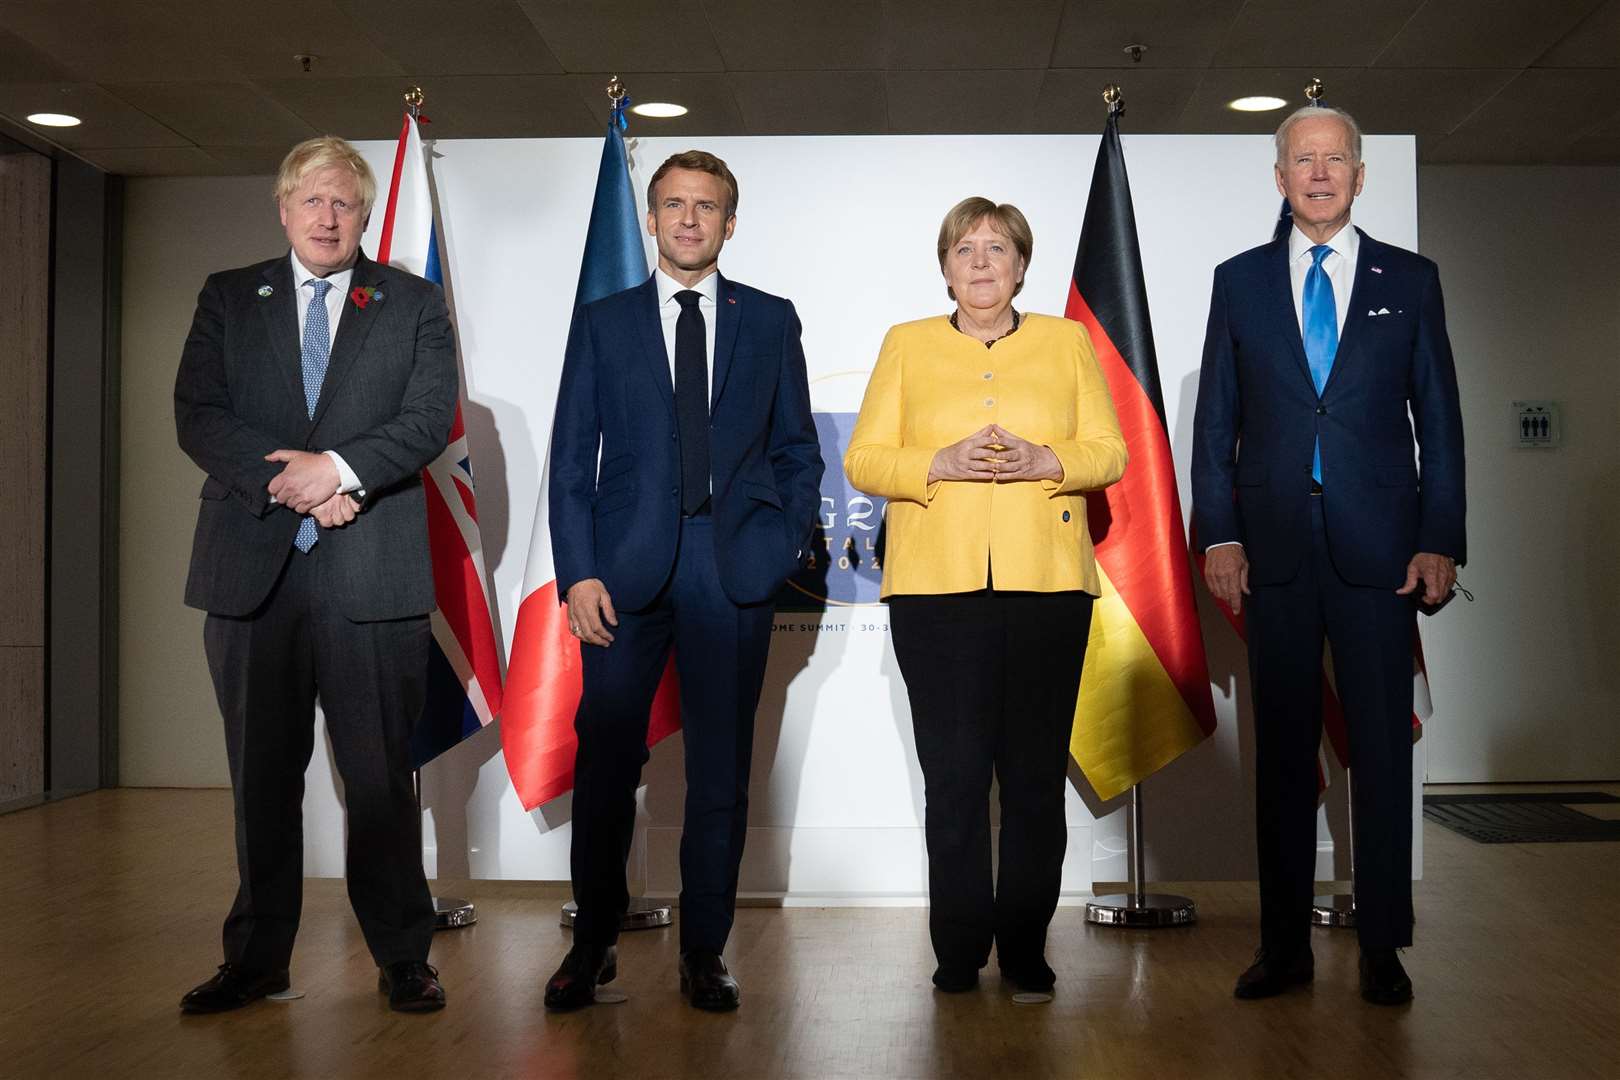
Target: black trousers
{"type": "Point", "coordinates": [720, 653]}
{"type": "Point", "coordinates": [993, 678]}
{"type": "Point", "coordinates": [1369, 631]}
{"type": "Point", "coordinates": [268, 669]}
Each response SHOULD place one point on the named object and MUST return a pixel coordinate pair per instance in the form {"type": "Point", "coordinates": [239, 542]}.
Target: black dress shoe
{"type": "Point", "coordinates": [1032, 976]}
{"type": "Point", "coordinates": [1273, 972]}
{"type": "Point", "coordinates": [411, 986]}
{"type": "Point", "coordinates": [584, 969]}
{"type": "Point", "coordinates": [707, 983]}
{"type": "Point", "coordinates": [233, 987]}
{"type": "Point", "coordinates": [1383, 980]}
{"type": "Point", "coordinates": [956, 978]}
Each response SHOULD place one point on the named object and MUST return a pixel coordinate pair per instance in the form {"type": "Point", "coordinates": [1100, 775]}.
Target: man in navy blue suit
{"type": "Point", "coordinates": [685, 479]}
{"type": "Point", "coordinates": [1326, 365]}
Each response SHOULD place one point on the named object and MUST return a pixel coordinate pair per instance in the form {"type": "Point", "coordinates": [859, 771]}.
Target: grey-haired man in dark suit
{"type": "Point", "coordinates": [312, 390]}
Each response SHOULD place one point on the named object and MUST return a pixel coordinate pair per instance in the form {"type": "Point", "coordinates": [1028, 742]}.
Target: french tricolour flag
{"type": "Point", "coordinates": [464, 664]}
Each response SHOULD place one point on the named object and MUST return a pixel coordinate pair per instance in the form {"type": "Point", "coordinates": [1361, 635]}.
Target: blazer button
{"type": "Point", "coordinates": [1065, 515]}
{"type": "Point", "coordinates": [1321, 410]}
{"type": "Point", "coordinates": [989, 374]}
{"type": "Point", "coordinates": [989, 401]}
{"type": "Point", "coordinates": [674, 492]}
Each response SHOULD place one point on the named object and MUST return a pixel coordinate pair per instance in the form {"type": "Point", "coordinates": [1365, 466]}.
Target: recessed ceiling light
{"type": "Point", "coordinates": [53, 119]}
{"type": "Point", "coordinates": [662, 109]}
{"type": "Point", "coordinates": [1263, 103]}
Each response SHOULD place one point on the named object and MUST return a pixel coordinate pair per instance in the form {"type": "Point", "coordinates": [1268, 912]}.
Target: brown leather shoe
{"type": "Point", "coordinates": [1383, 980]}
{"type": "Point", "coordinates": [233, 987]}
{"type": "Point", "coordinates": [707, 983]}
{"type": "Point", "coordinates": [412, 986]}
{"type": "Point", "coordinates": [1273, 972]}
{"type": "Point", "coordinates": [584, 969]}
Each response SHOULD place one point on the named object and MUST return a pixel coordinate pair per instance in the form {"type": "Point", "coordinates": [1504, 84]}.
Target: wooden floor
{"type": "Point", "coordinates": [114, 901]}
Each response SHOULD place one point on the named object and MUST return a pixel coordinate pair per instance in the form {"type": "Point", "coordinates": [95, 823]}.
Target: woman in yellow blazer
{"type": "Point", "coordinates": [983, 429]}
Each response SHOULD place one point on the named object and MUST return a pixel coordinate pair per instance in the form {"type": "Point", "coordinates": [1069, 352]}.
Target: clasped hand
{"type": "Point", "coordinates": [996, 454]}
{"type": "Point", "coordinates": [308, 484]}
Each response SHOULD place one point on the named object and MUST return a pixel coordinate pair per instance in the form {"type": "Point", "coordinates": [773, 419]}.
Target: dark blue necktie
{"type": "Point", "coordinates": [316, 351]}
{"type": "Point", "coordinates": [1320, 318]}
{"type": "Point", "coordinates": [692, 401]}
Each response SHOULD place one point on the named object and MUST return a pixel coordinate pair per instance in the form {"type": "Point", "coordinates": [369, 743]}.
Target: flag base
{"type": "Point", "coordinates": [1141, 910]}
{"type": "Point", "coordinates": [452, 913]}
{"type": "Point", "coordinates": [643, 914]}
{"type": "Point", "coordinates": [1334, 909]}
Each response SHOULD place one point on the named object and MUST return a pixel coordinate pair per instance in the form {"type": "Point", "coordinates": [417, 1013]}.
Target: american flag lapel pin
{"type": "Point", "coordinates": [731, 299]}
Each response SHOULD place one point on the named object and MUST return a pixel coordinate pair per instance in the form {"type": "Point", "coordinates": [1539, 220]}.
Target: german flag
{"type": "Point", "coordinates": [1145, 695]}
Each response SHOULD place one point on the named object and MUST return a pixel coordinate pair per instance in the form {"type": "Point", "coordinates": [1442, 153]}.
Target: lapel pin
{"type": "Point", "coordinates": [1376, 269]}
{"type": "Point", "coordinates": [731, 299]}
{"type": "Point", "coordinates": [265, 290]}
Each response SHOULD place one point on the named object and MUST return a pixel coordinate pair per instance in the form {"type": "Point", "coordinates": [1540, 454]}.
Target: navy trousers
{"type": "Point", "coordinates": [1369, 631]}
{"type": "Point", "coordinates": [720, 653]}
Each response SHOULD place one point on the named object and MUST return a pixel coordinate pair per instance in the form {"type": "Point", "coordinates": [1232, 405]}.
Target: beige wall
{"type": "Point", "coordinates": [176, 232]}
{"type": "Point", "coordinates": [1526, 680]}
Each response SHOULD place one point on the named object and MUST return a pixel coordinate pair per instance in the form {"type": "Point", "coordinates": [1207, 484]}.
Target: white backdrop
{"type": "Point", "coordinates": [845, 226]}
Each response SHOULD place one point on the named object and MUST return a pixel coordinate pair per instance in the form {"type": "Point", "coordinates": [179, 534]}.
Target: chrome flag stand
{"type": "Point", "coordinates": [1137, 909]}
{"type": "Point", "coordinates": [1339, 909]}
{"type": "Point", "coordinates": [642, 914]}
{"type": "Point", "coordinates": [449, 912]}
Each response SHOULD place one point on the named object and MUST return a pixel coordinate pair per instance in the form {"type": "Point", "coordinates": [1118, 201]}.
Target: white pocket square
{"type": "Point", "coordinates": [1381, 311]}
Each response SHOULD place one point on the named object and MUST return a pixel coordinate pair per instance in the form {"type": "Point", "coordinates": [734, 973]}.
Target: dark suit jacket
{"type": "Point", "coordinates": [621, 523]}
{"type": "Point", "coordinates": [386, 406]}
{"type": "Point", "coordinates": [1259, 416]}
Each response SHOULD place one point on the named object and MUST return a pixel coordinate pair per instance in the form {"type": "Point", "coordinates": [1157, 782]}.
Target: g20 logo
{"type": "Point", "coordinates": [844, 563]}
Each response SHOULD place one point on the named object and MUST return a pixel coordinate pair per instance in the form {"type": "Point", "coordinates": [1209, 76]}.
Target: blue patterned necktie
{"type": "Point", "coordinates": [1320, 319]}
{"type": "Point", "coordinates": [317, 349]}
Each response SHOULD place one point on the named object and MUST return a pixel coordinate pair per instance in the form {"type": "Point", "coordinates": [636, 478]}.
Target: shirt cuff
{"type": "Point", "coordinates": [348, 482]}
{"type": "Point", "coordinates": [1223, 543]}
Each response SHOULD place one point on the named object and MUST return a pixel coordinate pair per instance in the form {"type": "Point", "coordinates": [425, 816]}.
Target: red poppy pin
{"type": "Point", "coordinates": [364, 294]}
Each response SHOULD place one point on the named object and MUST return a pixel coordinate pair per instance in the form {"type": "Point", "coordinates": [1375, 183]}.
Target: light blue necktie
{"type": "Point", "coordinates": [1321, 327]}
{"type": "Point", "coordinates": [317, 349]}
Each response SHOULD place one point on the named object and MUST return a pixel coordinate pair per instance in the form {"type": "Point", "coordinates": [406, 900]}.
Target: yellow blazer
{"type": "Point", "coordinates": [934, 385]}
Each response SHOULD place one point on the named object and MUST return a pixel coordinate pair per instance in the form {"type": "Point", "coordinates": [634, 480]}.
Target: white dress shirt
{"type": "Point", "coordinates": [335, 296]}
{"type": "Point", "coordinates": [669, 310]}
{"type": "Point", "coordinates": [1340, 266]}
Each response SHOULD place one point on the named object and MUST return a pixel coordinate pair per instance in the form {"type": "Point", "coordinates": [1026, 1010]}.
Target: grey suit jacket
{"type": "Point", "coordinates": [386, 406]}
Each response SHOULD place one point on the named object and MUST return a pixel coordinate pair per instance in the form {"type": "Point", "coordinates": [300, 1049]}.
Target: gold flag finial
{"type": "Point", "coordinates": [615, 91]}
{"type": "Point", "coordinates": [1314, 90]}
{"type": "Point", "coordinates": [1114, 97]}
{"type": "Point", "coordinates": [413, 102]}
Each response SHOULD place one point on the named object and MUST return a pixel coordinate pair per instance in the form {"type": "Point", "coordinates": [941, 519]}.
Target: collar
{"type": "Point", "coordinates": [708, 288]}
{"type": "Point", "coordinates": [1345, 242]}
{"type": "Point", "coordinates": [301, 275]}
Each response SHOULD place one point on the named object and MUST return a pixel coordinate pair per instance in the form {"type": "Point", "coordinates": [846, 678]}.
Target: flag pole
{"type": "Point", "coordinates": [1136, 908]}
{"type": "Point", "coordinates": [449, 912]}
{"type": "Point", "coordinates": [643, 912]}
{"type": "Point", "coordinates": [1338, 910]}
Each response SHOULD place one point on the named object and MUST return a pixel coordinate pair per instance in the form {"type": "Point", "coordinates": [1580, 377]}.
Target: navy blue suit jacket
{"type": "Point", "coordinates": [1392, 389]}
{"type": "Point", "coordinates": [615, 515]}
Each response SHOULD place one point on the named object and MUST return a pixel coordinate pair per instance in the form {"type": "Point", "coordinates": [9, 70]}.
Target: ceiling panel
{"type": "Point", "coordinates": [160, 161]}
{"type": "Point", "coordinates": [249, 160]}
{"type": "Point", "coordinates": [811, 102]}
{"type": "Point", "coordinates": [1177, 34]}
{"type": "Point", "coordinates": [1534, 119]}
{"type": "Point", "coordinates": [223, 114]}
{"type": "Point", "coordinates": [474, 37]}
{"type": "Point", "coordinates": [1592, 150]}
{"type": "Point", "coordinates": [813, 35]}
{"type": "Point", "coordinates": [108, 41]}
{"type": "Point", "coordinates": [950, 102]}
{"type": "Point", "coordinates": [1468, 33]}
{"type": "Point", "coordinates": [22, 62]}
{"type": "Point", "coordinates": [1594, 43]}
{"type": "Point", "coordinates": [260, 41]}
{"type": "Point", "coordinates": [107, 120]}
{"type": "Point", "coordinates": [1208, 109]}
{"type": "Point", "coordinates": [969, 34]}
{"type": "Point", "coordinates": [709, 97]}
{"type": "Point", "coordinates": [1427, 101]}
{"type": "Point", "coordinates": [626, 35]}
{"type": "Point", "coordinates": [1273, 33]}
{"type": "Point", "coordinates": [1071, 98]}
